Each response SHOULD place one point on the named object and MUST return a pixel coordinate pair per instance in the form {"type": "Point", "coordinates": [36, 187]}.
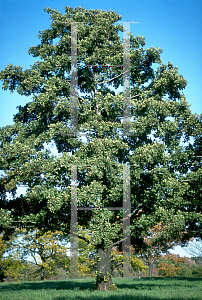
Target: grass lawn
{"type": "Point", "coordinates": [128, 288]}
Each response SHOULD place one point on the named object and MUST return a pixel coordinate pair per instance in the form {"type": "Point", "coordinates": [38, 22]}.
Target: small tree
{"type": "Point", "coordinates": [155, 246]}
{"type": "Point", "coordinates": [47, 251]}
{"type": "Point", "coordinates": [163, 237]}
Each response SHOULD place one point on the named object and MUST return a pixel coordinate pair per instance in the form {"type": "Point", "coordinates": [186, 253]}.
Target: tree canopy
{"type": "Point", "coordinates": [163, 149]}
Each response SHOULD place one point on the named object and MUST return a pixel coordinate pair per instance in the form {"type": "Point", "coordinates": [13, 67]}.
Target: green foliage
{"type": "Point", "coordinates": [171, 265]}
{"type": "Point", "coordinates": [197, 271]}
{"type": "Point", "coordinates": [136, 263]}
{"type": "Point", "coordinates": [13, 268]}
{"type": "Point", "coordinates": [158, 106]}
{"type": "Point", "coordinates": [86, 254]}
{"type": "Point", "coordinates": [47, 252]}
{"type": "Point", "coordinates": [2, 250]}
{"type": "Point", "coordinates": [30, 272]}
{"type": "Point", "coordinates": [185, 272]}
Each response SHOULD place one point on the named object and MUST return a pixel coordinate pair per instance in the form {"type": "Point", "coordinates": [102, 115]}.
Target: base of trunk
{"type": "Point", "coordinates": [103, 274]}
{"type": "Point", "coordinates": [104, 282]}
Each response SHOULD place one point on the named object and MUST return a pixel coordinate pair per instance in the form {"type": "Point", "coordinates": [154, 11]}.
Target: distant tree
{"type": "Point", "coordinates": [30, 272]}
{"type": "Point", "coordinates": [171, 265]}
{"type": "Point", "coordinates": [14, 268]}
{"type": "Point", "coordinates": [194, 248]}
{"type": "Point", "coordinates": [11, 266]}
{"type": "Point", "coordinates": [161, 238]}
{"type": "Point", "coordinates": [167, 269]}
{"type": "Point", "coordinates": [197, 271]}
{"type": "Point", "coordinates": [155, 246]}
{"type": "Point", "coordinates": [197, 260]}
{"type": "Point", "coordinates": [47, 251]}
{"type": "Point", "coordinates": [136, 263]}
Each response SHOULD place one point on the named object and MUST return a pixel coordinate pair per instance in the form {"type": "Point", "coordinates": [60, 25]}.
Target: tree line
{"type": "Point", "coordinates": [29, 257]}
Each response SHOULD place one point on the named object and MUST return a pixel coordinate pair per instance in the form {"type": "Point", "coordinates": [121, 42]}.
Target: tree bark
{"type": "Point", "coordinates": [42, 273]}
{"type": "Point", "coordinates": [104, 272]}
{"type": "Point", "coordinates": [150, 270]}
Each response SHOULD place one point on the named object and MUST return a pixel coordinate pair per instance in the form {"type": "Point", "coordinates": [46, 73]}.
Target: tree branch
{"type": "Point", "coordinates": [112, 78]}
{"type": "Point", "coordinates": [134, 96]}
{"type": "Point", "coordinates": [117, 265]}
{"type": "Point", "coordinates": [114, 267]}
{"type": "Point", "coordinates": [118, 242]}
{"type": "Point", "coordinates": [83, 238]}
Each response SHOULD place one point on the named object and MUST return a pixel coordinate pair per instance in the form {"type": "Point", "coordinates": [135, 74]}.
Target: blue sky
{"type": "Point", "coordinates": [174, 25]}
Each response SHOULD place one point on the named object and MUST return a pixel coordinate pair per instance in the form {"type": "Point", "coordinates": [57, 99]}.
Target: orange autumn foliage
{"type": "Point", "coordinates": [167, 270]}
{"type": "Point", "coordinates": [170, 265]}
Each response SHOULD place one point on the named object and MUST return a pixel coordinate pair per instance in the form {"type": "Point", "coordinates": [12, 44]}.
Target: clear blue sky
{"type": "Point", "coordinates": [174, 25]}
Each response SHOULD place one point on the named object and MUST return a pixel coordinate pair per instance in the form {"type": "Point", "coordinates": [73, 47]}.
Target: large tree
{"type": "Point", "coordinates": [161, 123]}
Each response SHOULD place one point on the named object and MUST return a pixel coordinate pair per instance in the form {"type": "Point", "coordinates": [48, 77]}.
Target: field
{"type": "Point", "coordinates": [83, 289]}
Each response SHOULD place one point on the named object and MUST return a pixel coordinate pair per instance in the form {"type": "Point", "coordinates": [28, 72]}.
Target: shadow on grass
{"type": "Point", "coordinates": [149, 283]}
{"type": "Point", "coordinates": [56, 285]}
{"type": "Point", "coordinates": [89, 293]}
{"type": "Point", "coordinates": [172, 278]}
{"type": "Point", "coordinates": [136, 285]}
{"type": "Point", "coordinates": [116, 297]}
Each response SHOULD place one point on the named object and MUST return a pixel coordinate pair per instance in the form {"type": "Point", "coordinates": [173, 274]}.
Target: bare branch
{"type": "Point", "coordinates": [118, 242]}
{"type": "Point", "coordinates": [195, 248]}
{"type": "Point", "coordinates": [114, 267]}
{"type": "Point", "coordinates": [134, 96]}
{"type": "Point", "coordinates": [118, 264]}
{"type": "Point", "coordinates": [22, 222]}
{"type": "Point", "coordinates": [112, 78]}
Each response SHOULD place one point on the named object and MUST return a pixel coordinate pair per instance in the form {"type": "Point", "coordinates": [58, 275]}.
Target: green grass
{"type": "Point", "coordinates": [128, 288]}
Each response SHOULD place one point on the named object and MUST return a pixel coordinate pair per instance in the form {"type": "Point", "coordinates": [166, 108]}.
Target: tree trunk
{"type": "Point", "coordinates": [42, 273]}
{"type": "Point", "coordinates": [104, 274]}
{"type": "Point", "coordinates": [150, 270]}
